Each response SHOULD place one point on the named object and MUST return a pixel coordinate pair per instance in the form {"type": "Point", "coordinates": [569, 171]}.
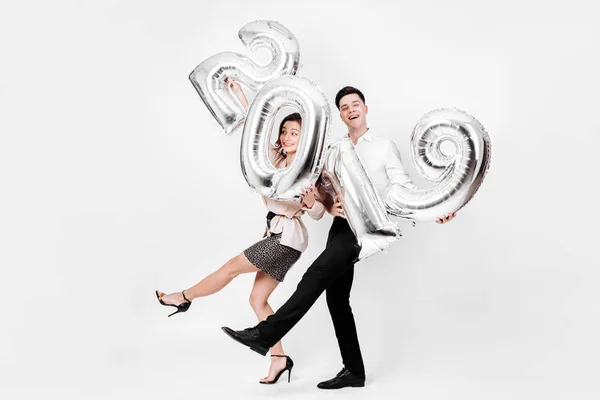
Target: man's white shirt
{"type": "Point", "coordinates": [382, 161]}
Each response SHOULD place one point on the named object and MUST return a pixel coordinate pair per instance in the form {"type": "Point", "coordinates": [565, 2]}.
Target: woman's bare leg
{"type": "Point", "coordinates": [264, 285]}
{"type": "Point", "coordinates": [213, 282]}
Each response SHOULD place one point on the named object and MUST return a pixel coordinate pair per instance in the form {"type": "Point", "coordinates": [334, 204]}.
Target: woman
{"type": "Point", "coordinates": [284, 241]}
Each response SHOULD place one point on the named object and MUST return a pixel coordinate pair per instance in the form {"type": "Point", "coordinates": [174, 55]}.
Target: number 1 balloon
{"type": "Point", "coordinates": [363, 207]}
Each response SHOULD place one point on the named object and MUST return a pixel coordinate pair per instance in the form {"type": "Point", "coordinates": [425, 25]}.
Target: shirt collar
{"type": "Point", "coordinates": [368, 136]}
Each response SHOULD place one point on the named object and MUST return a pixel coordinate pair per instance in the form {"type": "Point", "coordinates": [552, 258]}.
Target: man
{"type": "Point", "coordinates": [333, 270]}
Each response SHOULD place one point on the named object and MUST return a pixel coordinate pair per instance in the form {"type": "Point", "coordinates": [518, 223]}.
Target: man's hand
{"type": "Point", "coordinates": [337, 209]}
{"type": "Point", "coordinates": [446, 218]}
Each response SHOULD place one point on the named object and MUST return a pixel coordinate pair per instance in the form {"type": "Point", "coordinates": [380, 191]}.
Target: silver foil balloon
{"type": "Point", "coordinates": [457, 174]}
{"type": "Point", "coordinates": [209, 77]}
{"type": "Point", "coordinates": [311, 103]}
{"type": "Point", "coordinates": [363, 207]}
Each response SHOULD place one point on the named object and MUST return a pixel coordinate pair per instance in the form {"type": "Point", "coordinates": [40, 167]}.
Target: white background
{"type": "Point", "coordinates": [115, 181]}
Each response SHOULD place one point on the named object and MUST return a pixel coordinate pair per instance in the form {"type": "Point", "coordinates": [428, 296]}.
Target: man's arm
{"type": "Point", "coordinates": [394, 169]}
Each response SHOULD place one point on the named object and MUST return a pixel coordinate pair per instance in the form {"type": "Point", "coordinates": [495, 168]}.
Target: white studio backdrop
{"type": "Point", "coordinates": [116, 181]}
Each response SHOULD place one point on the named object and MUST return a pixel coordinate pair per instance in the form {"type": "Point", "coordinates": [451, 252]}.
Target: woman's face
{"type": "Point", "coordinates": [290, 136]}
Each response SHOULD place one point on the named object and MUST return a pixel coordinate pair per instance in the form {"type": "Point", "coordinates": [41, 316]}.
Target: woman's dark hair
{"type": "Point", "coordinates": [345, 91]}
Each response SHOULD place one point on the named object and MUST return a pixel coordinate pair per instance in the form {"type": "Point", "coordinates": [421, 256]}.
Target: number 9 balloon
{"type": "Point", "coordinates": [457, 176]}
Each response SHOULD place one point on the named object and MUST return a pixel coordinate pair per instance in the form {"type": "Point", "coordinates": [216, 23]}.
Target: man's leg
{"type": "Point", "coordinates": [333, 261]}
{"type": "Point", "coordinates": [338, 301]}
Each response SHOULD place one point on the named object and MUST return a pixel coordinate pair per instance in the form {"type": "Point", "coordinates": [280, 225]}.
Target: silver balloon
{"type": "Point", "coordinates": [363, 207]}
{"type": "Point", "coordinates": [259, 172]}
{"type": "Point", "coordinates": [209, 77]}
{"type": "Point", "coordinates": [451, 148]}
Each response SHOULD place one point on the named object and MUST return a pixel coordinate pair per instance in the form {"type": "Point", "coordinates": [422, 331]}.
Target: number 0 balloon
{"type": "Point", "coordinates": [311, 103]}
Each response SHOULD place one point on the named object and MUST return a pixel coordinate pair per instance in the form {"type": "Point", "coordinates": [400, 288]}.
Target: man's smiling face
{"type": "Point", "coordinates": [353, 111]}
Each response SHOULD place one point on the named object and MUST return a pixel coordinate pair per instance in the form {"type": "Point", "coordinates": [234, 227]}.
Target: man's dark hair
{"type": "Point", "coordinates": [346, 91]}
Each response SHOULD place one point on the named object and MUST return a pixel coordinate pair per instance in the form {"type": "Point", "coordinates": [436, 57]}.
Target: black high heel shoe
{"type": "Point", "coordinates": [289, 364]}
{"type": "Point", "coordinates": [183, 307]}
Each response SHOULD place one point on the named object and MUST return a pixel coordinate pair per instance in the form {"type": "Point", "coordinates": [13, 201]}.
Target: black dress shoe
{"type": "Point", "coordinates": [344, 378]}
{"type": "Point", "coordinates": [249, 337]}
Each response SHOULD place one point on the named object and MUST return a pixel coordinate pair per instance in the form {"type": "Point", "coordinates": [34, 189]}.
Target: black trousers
{"type": "Point", "coordinates": [332, 271]}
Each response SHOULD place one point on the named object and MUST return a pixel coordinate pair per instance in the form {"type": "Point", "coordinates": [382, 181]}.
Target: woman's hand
{"type": "Point", "coordinates": [235, 87]}
{"type": "Point", "coordinates": [308, 196]}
